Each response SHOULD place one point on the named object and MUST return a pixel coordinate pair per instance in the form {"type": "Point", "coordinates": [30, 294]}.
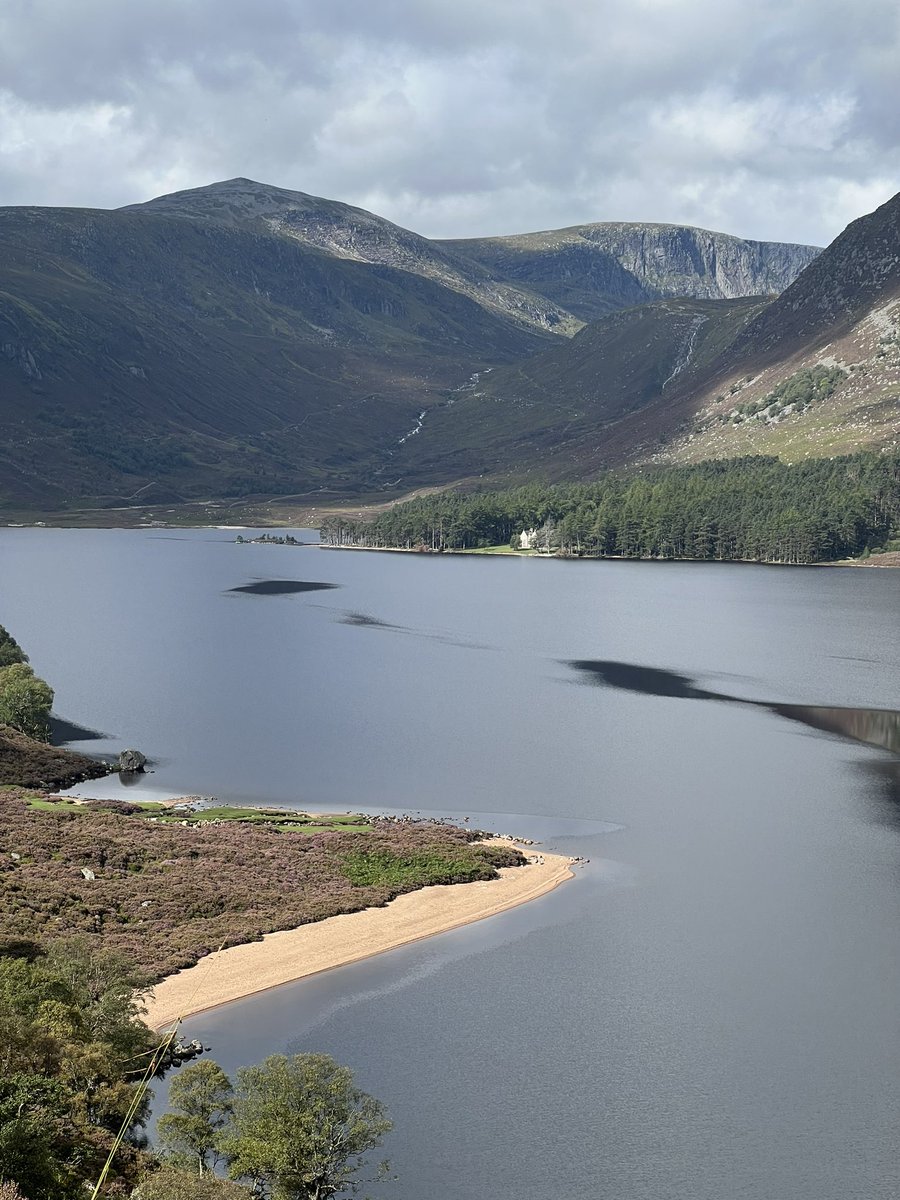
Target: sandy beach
{"type": "Point", "coordinates": [239, 971]}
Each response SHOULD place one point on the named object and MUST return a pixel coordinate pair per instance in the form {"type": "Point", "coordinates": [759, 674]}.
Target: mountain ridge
{"type": "Point", "coordinates": [243, 340]}
{"type": "Point", "coordinates": [652, 260]}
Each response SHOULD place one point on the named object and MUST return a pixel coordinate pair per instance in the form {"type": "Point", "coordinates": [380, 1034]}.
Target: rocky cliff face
{"type": "Point", "coordinates": [614, 264]}
{"type": "Point", "coordinates": [677, 261]}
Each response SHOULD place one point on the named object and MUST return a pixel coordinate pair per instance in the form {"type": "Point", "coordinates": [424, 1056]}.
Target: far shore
{"type": "Point", "coordinates": [240, 971]}
{"type": "Point", "coordinates": [881, 558]}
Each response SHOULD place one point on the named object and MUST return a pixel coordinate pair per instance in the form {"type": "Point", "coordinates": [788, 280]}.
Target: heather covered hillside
{"type": "Point", "coordinates": [164, 894]}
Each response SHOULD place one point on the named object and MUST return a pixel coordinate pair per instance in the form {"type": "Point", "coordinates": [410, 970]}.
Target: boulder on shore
{"type": "Point", "coordinates": [131, 761]}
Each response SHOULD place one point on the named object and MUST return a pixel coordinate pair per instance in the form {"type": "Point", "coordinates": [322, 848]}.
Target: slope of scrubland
{"type": "Point", "coordinates": [165, 894]}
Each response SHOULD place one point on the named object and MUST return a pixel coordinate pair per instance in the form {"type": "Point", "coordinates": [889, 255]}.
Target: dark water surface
{"type": "Point", "coordinates": [711, 1010]}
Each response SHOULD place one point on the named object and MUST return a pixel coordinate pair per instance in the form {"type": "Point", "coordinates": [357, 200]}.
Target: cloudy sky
{"type": "Point", "coordinates": [773, 119]}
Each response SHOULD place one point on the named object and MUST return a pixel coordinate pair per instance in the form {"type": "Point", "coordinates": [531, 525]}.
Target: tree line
{"type": "Point", "coordinates": [755, 508]}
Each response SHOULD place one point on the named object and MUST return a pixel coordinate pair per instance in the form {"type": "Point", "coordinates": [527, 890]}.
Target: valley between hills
{"type": "Point", "coordinates": [242, 351]}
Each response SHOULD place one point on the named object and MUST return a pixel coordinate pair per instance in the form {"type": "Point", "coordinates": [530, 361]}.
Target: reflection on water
{"type": "Point", "coordinates": [361, 620]}
{"type": "Point", "coordinates": [873, 726]}
{"type": "Point", "coordinates": [884, 791]}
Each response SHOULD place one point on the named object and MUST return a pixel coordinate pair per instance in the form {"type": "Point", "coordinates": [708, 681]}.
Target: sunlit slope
{"type": "Point", "coordinates": [841, 317]}
{"type": "Point", "coordinates": [815, 371]}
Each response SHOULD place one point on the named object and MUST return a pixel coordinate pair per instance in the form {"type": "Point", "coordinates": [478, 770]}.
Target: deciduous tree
{"type": "Point", "coordinates": [25, 701]}
{"type": "Point", "coordinates": [200, 1096]}
{"type": "Point", "coordinates": [302, 1126]}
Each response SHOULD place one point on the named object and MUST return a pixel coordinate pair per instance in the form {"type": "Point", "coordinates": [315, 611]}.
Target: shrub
{"type": "Point", "coordinates": [10, 650]}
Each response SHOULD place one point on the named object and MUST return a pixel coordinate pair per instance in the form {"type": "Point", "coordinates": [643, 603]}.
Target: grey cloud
{"type": "Point", "coordinates": [483, 116]}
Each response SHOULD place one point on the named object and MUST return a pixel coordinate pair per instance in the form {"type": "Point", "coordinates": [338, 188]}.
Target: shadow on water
{"type": "Point", "coordinates": [872, 726]}
{"type": "Point", "coordinates": [281, 587]}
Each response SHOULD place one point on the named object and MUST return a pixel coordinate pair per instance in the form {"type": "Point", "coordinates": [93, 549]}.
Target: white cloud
{"type": "Point", "coordinates": [770, 120]}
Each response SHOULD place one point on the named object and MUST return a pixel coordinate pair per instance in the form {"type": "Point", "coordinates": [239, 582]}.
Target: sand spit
{"type": "Point", "coordinates": [240, 971]}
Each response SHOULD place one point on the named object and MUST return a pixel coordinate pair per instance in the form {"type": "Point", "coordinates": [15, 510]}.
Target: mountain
{"type": "Point", "coordinates": [592, 269]}
{"type": "Point", "coordinates": [241, 340]}
{"type": "Point", "coordinates": [161, 356]}
{"type": "Point", "coordinates": [815, 371]}
{"type": "Point", "coordinates": [841, 318]}
{"type": "Point", "coordinates": [344, 232]}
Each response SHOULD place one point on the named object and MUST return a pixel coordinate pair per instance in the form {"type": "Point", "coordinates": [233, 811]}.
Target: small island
{"type": "Point", "coordinates": [269, 539]}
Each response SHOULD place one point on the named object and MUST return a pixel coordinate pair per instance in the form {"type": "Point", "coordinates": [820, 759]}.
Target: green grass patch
{"type": "Point", "coordinates": [56, 806]}
{"type": "Point", "coordinates": [225, 812]}
{"type": "Point", "coordinates": [290, 819]}
{"type": "Point", "coordinates": [386, 868]}
{"type": "Point", "coordinates": [281, 818]}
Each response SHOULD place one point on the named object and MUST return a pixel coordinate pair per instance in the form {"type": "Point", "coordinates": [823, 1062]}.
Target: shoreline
{"type": "Point", "coordinates": [238, 972]}
{"type": "Point", "coordinates": [884, 559]}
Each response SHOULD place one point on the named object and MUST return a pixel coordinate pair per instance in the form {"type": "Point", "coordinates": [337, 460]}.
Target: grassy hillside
{"type": "Point", "coordinates": [842, 314]}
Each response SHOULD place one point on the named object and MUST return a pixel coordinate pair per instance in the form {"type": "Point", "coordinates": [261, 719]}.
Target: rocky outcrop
{"type": "Point", "coordinates": [594, 268]}
{"type": "Point", "coordinates": [27, 763]}
{"type": "Point", "coordinates": [131, 761]}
